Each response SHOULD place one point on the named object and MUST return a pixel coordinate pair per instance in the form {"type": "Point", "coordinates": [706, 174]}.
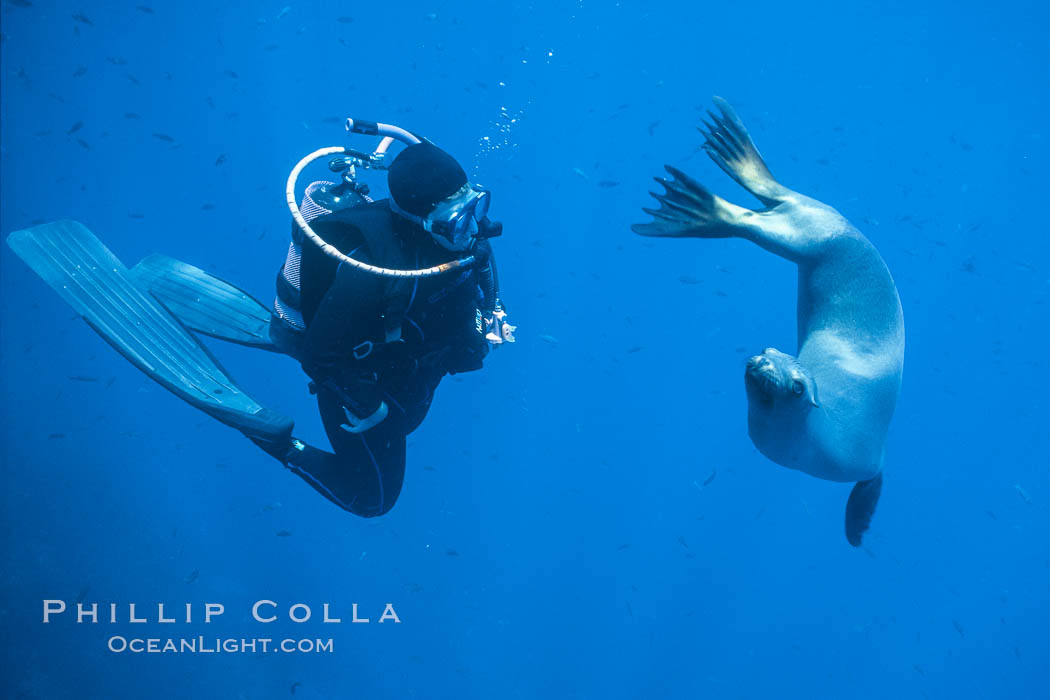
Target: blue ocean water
{"type": "Point", "coordinates": [585, 518]}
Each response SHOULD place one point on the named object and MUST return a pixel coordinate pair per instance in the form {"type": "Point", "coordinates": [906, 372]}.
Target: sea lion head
{"type": "Point", "coordinates": [775, 377]}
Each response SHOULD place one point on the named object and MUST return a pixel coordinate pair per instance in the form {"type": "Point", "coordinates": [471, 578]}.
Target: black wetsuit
{"type": "Point", "coordinates": [372, 339]}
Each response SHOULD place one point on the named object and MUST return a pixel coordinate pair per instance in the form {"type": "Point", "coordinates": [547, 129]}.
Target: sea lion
{"type": "Point", "coordinates": [827, 411]}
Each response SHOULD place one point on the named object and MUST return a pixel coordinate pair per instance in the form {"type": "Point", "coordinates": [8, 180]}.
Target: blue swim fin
{"type": "Point", "coordinates": [204, 303]}
{"type": "Point", "coordinates": [96, 284]}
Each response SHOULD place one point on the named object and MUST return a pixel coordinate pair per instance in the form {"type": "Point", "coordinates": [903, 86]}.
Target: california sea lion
{"type": "Point", "coordinates": [827, 411]}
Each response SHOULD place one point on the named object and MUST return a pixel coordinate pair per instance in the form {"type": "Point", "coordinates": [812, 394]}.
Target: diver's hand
{"type": "Point", "coordinates": [356, 424]}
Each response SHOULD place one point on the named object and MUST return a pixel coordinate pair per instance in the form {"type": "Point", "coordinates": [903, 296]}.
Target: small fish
{"type": "Point", "coordinates": [284, 533]}
{"type": "Point", "coordinates": [919, 669]}
{"type": "Point", "coordinates": [548, 339]}
{"type": "Point", "coordinates": [688, 279]}
{"type": "Point", "coordinates": [84, 144]}
{"type": "Point", "coordinates": [958, 628]}
{"type": "Point", "coordinates": [83, 378]}
{"type": "Point", "coordinates": [131, 115]}
{"type": "Point", "coordinates": [117, 60]}
{"type": "Point", "coordinates": [297, 683]}
{"type": "Point", "coordinates": [83, 19]}
{"type": "Point", "coordinates": [281, 14]}
{"type": "Point", "coordinates": [136, 215]}
{"type": "Point", "coordinates": [207, 207]}
{"type": "Point", "coordinates": [623, 547]}
{"type": "Point", "coordinates": [220, 160]}
{"type": "Point", "coordinates": [634, 349]}
{"type": "Point", "coordinates": [608, 183]}
{"type": "Point", "coordinates": [75, 128]}
{"type": "Point", "coordinates": [145, 8]}
{"type": "Point", "coordinates": [20, 3]}
{"type": "Point", "coordinates": [56, 436]}
{"type": "Point", "coordinates": [1022, 493]}
{"type": "Point", "coordinates": [271, 47]}
{"type": "Point", "coordinates": [163, 137]}
{"type": "Point", "coordinates": [230, 73]}
{"type": "Point", "coordinates": [681, 541]}
{"type": "Point", "coordinates": [708, 480]}
{"type": "Point", "coordinates": [652, 127]}
{"type": "Point", "coordinates": [581, 173]}
{"type": "Point", "coordinates": [133, 79]}
{"type": "Point", "coordinates": [81, 70]}
{"type": "Point", "coordinates": [193, 575]}
{"type": "Point", "coordinates": [345, 20]}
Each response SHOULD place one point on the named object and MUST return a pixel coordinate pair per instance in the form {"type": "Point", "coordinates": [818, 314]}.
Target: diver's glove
{"type": "Point", "coordinates": [360, 401]}
{"type": "Point", "coordinates": [355, 424]}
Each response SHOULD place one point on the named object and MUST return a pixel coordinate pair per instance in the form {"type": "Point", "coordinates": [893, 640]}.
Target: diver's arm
{"type": "Point", "coordinates": [338, 335]}
{"type": "Point", "coordinates": [346, 316]}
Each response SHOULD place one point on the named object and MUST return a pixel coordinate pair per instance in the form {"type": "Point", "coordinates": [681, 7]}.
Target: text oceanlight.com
{"type": "Point", "coordinates": [217, 645]}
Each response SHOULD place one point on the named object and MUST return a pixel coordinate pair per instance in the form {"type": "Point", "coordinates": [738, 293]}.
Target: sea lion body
{"type": "Point", "coordinates": [826, 412]}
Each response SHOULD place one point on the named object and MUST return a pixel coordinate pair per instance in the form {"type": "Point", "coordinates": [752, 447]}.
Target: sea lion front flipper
{"type": "Point", "coordinates": [689, 210]}
{"type": "Point", "coordinates": [731, 148]}
{"type": "Point", "coordinates": [861, 506]}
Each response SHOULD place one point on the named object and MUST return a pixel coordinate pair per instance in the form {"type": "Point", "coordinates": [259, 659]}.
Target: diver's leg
{"type": "Point", "coordinates": [412, 398]}
{"type": "Point", "coordinates": [365, 474]}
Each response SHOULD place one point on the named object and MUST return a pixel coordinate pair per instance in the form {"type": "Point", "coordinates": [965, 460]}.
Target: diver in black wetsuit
{"type": "Point", "coordinates": [376, 300]}
{"type": "Point", "coordinates": [376, 347]}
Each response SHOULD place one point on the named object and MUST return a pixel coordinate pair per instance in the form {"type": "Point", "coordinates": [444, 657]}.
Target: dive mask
{"type": "Point", "coordinates": [456, 222]}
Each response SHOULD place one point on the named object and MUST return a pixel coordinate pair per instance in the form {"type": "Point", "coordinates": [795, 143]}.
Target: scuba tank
{"type": "Point", "coordinates": [334, 196]}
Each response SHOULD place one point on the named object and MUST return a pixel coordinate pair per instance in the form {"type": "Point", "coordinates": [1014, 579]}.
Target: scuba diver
{"type": "Point", "coordinates": [377, 301]}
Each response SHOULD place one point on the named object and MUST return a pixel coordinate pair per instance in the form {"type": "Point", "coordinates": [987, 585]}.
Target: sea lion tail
{"type": "Point", "coordinates": [731, 148]}
{"type": "Point", "coordinates": [861, 506]}
{"type": "Point", "coordinates": [689, 210]}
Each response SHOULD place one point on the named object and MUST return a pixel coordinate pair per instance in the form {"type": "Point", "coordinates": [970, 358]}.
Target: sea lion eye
{"type": "Point", "coordinates": [798, 387]}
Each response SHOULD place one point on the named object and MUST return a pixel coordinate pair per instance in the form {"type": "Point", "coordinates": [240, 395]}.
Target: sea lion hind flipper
{"type": "Point", "coordinates": [688, 210]}
{"type": "Point", "coordinates": [861, 507]}
{"type": "Point", "coordinates": [729, 145]}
